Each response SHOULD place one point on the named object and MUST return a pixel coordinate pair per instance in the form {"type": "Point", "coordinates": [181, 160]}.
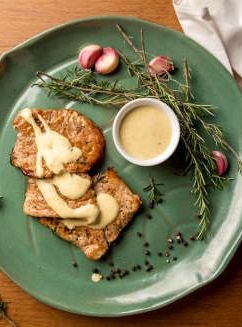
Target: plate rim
{"type": "Point", "coordinates": [224, 263]}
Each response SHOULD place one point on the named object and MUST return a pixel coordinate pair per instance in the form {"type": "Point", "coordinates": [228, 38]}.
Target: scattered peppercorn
{"type": "Point", "coordinates": [148, 216]}
{"type": "Point", "coordinates": [170, 247]}
{"type": "Point", "coordinates": [138, 267]}
{"type": "Point", "coordinates": [139, 234]}
{"type": "Point", "coordinates": [149, 268]}
{"type": "Point", "coordinates": [146, 243]}
{"type": "Point", "coordinates": [174, 258]}
{"type": "Point", "coordinates": [134, 268]}
{"type": "Point", "coordinates": [108, 278]}
{"type": "Point", "coordinates": [159, 254]}
{"type": "Point", "coordinates": [146, 252]}
{"type": "Point", "coordinates": [185, 244]}
{"type": "Point", "coordinates": [167, 254]}
{"type": "Point", "coordinates": [122, 274]}
{"type": "Point", "coordinates": [147, 262]}
{"type": "Point", "coordinates": [192, 238]}
{"type": "Point", "coordinates": [95, 271]}
{"type": "Point", "coordinates": [74, 264]}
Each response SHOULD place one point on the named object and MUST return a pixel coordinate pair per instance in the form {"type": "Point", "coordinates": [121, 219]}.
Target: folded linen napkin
{"type": "Point", "coordinates": [217, 26]}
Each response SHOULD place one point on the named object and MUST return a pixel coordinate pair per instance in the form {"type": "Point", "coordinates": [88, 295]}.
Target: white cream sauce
{"type": "Point", "coordinates": [53, 147]}
{"type": "Point", "coordinates": [87, 213]}
{"type": "Point", "coordinates": [145, 132]}
{"type": "Point", "coordinates": [109, 209]}
{"type": "Point", "coordinates": [72, 186]}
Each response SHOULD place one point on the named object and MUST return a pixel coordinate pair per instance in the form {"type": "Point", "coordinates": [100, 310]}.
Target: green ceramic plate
{"type": "Point", "coordinates": [40, 262]}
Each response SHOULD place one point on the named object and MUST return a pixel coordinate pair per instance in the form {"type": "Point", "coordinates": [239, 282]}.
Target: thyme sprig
{"type": "Point", "coordinates": [197, 130]}
{"type": "Point", "coordinates": [154, 194]}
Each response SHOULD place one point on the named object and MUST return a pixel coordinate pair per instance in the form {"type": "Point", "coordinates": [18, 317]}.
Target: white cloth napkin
{"type": "Point", "coordinates": [217, 26]}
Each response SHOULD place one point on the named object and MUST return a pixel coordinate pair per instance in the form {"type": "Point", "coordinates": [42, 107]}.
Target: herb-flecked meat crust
{"type": "Point", "coordinates": [78, 129]}
{"type": "Point", "coordinates": [93, 242]}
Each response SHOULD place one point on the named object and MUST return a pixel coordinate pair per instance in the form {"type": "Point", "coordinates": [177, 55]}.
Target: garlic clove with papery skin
{"type": "Point", "coordinates": [221, 162]}
{"type": "Point", "coordinates": [107, 62]}
{"type": "Point", "coordinates": [160, 65]}
{"type": "Point", "coordinates": [89, 55]}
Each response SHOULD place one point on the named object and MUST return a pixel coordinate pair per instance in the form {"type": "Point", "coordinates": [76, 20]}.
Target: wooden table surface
{"type": "Point", "coordinates": [218, 304]}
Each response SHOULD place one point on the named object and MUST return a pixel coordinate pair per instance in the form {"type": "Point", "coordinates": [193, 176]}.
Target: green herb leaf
{"type": "Point", "coordinates": [154, 194]}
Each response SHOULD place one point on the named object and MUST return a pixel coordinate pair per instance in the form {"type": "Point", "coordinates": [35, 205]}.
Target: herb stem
{"type": "Point", "coordinates": [129, 42]}
{"type": "Point", "coordinates": [83, 86]}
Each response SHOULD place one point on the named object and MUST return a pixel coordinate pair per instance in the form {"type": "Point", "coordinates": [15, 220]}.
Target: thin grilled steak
{"type": "Point", "coordinates": [78, 129]}
{"type": "Point", "coordinates": [93, 242]}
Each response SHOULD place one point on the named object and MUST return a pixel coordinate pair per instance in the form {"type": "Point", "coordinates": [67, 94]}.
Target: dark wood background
{"type": "Point", "coordinates": [218, 304]}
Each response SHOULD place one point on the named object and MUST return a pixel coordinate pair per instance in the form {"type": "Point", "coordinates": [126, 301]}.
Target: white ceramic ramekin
{"type": "Point", "coordinates": [175, 131]}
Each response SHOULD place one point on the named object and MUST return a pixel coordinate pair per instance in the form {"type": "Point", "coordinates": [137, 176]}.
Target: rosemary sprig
{"type": "Point", "coordinates": [82, 86]}
{"type": "Point", "coordinates": [196, 129]}
{"type": "Point", "coordinates": [154, 194]}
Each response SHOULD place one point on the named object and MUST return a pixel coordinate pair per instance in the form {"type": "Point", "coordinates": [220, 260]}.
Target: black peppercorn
{"type": "Point", "coordinates": [149, 268]}
{"type": "Point", "coordinates": [148, 216]}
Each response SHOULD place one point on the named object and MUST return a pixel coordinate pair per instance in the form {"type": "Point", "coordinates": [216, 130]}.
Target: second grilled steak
{"type": "Point", "coordinates": [93, 242]}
